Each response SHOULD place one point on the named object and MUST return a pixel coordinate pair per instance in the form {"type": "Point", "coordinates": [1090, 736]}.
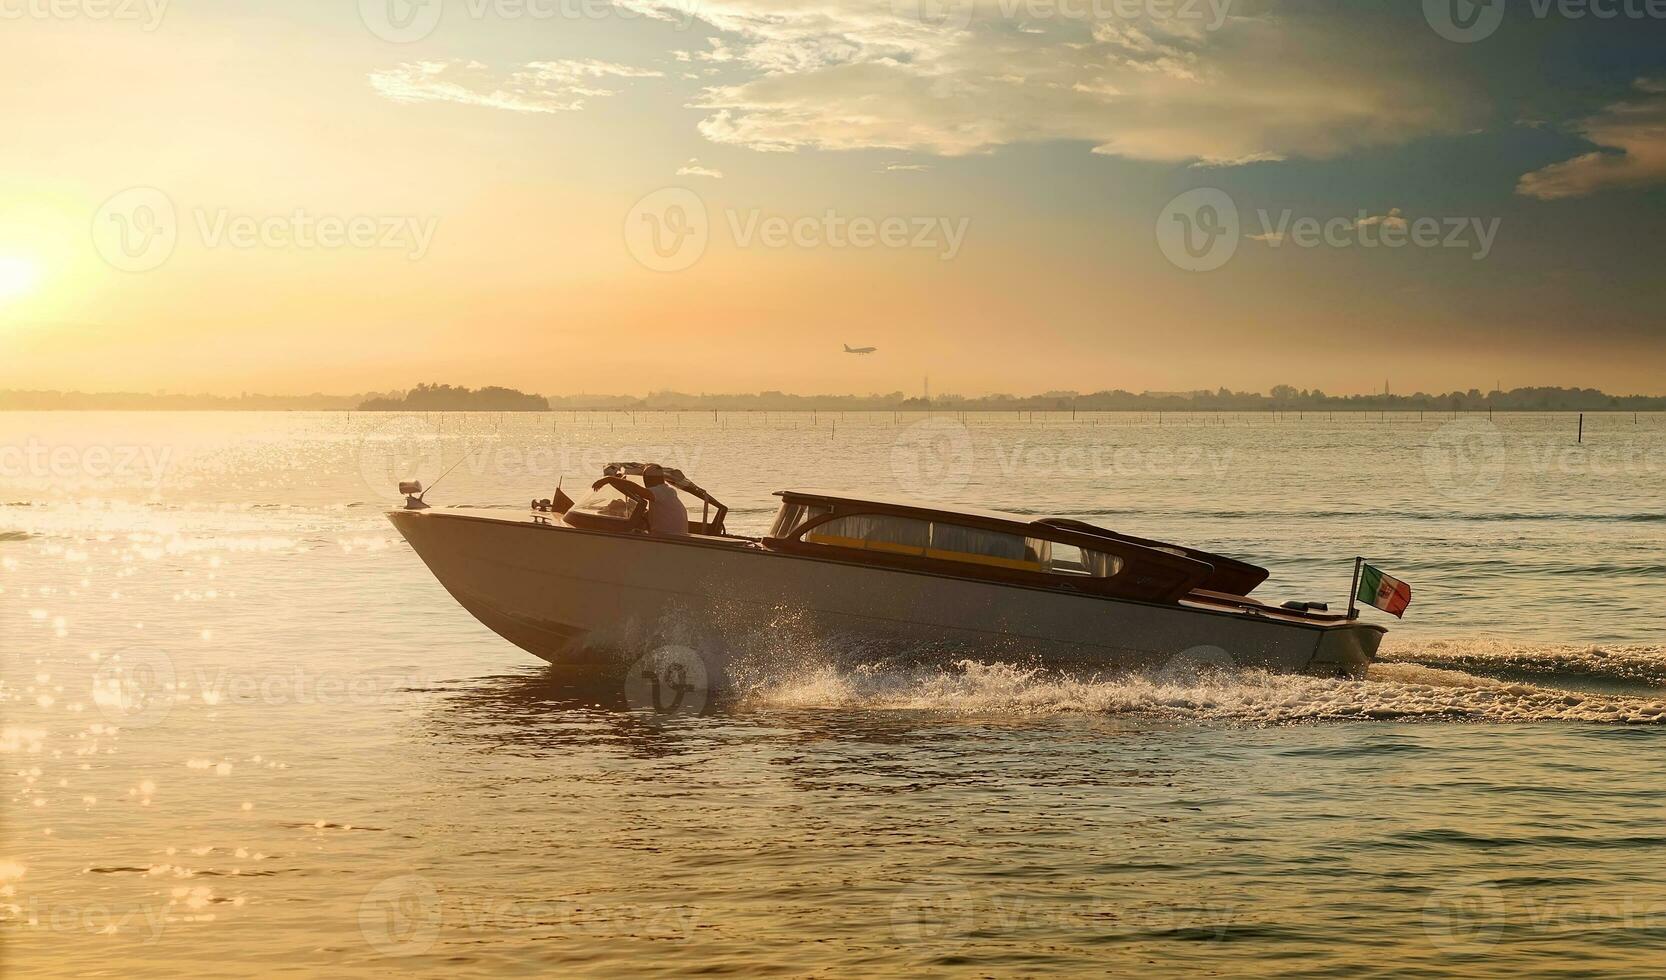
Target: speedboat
{"type": "Point", "coordinates": [583, 585]}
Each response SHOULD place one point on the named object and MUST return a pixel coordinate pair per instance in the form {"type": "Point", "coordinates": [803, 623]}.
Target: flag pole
{"type": "Point", "coordinates": [1353, 590]}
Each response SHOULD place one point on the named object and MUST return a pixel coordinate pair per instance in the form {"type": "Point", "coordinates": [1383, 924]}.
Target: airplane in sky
{"type": "Point", "coordinates": [859, 350]}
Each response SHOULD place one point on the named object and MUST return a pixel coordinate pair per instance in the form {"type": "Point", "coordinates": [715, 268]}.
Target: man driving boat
{"type": "Point", "coordinates": [666, 513]}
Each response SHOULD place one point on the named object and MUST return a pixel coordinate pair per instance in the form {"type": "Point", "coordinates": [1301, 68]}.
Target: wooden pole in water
{"type": "Point", "coordinates": [1582, 427]}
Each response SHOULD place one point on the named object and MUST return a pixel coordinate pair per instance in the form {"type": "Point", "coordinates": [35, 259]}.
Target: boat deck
{"type": "Point", "coordinates": [1202, 600]}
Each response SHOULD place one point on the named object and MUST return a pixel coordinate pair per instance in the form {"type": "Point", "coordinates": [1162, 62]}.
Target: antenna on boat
{"type": "Point", "coordinates": [414, 491]}
{"type": "Point", "coordinates": [448, 470]}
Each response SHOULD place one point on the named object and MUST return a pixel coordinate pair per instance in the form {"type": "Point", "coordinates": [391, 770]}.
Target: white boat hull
{"type": "Point", "coordinates": [590, 600]}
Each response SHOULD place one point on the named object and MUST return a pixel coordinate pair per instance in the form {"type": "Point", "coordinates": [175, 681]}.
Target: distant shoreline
{"type": "Point", "coordinates": [446, 398]}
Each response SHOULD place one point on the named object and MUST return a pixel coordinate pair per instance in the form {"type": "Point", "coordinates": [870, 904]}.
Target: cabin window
{"type": "Point", "coordinates": [955, 542]}
{"type": "Point", "coordinates": [874, 532]}
{"type": "Point", "coordinates": [1100, 564]}
{"type": "Point", "coordinates": [1066, 559]}
{"type": "Point", "coordinates": [794, 516]}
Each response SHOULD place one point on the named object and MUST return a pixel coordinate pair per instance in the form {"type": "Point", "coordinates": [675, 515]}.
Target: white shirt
{"type": "Point", "coordinates": [667, 515]}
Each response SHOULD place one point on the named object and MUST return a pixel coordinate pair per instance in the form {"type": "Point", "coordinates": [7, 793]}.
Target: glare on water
{"type": "Point", "coordinates": [243, 729]}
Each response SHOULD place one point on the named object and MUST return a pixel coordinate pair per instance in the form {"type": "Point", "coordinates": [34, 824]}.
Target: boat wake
{"type": "Point", "coordinates": [1621, 665]}
{"type": "Point", "coordinates": [1454, 682]}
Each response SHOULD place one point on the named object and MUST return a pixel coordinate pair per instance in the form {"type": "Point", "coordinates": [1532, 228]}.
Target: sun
{"type": "Point", "coordinates": [18, 277]}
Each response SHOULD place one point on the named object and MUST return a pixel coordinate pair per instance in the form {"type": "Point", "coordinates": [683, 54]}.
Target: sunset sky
{"type": "Point", "coordinates": [340, 196]}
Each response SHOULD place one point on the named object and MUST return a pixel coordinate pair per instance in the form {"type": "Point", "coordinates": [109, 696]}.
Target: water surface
{"type": "Point", "coordinates": [245, 731]}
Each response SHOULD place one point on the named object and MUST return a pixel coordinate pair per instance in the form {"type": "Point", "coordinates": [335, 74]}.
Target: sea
{"type": "Point", "coordinates": [243, 731]}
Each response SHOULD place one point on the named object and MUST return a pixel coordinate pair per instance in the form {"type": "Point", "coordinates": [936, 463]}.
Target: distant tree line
{"type": "Point", "coordinates": [1280, 398]}
{"type": "Point", "coordinates": [449, 398]}
{"type": "Point", "coordinates": [446, 398]}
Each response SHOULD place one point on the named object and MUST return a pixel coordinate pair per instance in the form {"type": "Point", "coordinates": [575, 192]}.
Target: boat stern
{"type": "Point", "coordinates": [1347, 650]}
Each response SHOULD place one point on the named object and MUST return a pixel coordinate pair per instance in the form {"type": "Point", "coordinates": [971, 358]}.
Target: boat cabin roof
{"type": "Point", "coordinates": [1210, 571]}
{"type": "Point", "coordinates": [920, 508]}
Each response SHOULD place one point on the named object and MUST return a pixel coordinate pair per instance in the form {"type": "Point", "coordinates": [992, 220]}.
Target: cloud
{"type": "Point", "coordinates": [1632, 137]}
{"type": "Point", "coordinates": [1390, 220]}
{"type": "Point", "coordinates": [1289, 80]}
{"type": "Point", "coordinates": [1271, 238]}
{"type": "Point", "coordinates": [538, 86]}
{"type": "Point", "coordinates": [904, 168]}
{"type": "Point", "coordinates": [693, 169]}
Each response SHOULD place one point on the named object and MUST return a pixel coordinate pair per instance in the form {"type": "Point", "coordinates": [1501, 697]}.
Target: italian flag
{"type": "Point", "coordinates": [1383, 591]}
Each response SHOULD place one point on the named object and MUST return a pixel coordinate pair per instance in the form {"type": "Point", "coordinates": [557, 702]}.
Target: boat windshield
{"type": "Point", "coordinates": [947, 541]}
{"type": "Point", "coordinates": [608, 503]}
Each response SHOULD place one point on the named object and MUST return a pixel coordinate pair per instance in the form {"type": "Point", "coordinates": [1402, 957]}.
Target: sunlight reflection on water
{"type": "Point", "coordinates": [243, 728]}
